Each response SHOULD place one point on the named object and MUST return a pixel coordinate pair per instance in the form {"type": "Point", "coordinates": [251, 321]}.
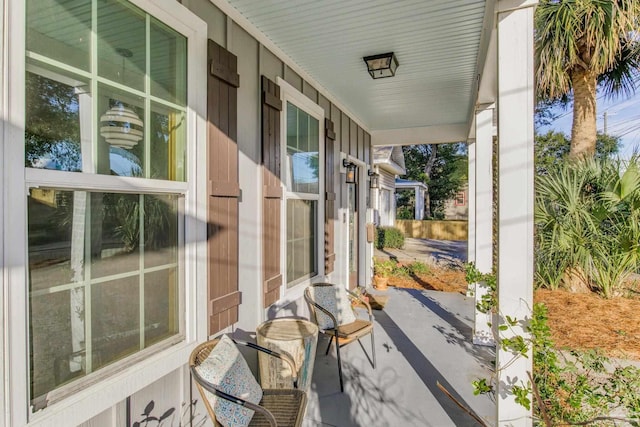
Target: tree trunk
{"type": "Point", "coordinates": [583, 130]}
{"type": "Point", "coordinates": [427, 171]}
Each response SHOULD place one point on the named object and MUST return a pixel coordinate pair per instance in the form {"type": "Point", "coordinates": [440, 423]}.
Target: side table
{"type": "Point", "coordinates": [296, 338]}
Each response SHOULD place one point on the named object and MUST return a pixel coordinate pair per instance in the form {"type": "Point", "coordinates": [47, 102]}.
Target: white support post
{"type": "Point", "coordinates": [471, 216]}
{"type": "Point", "coordinates": [482, 333]}
{"type": "Point", "coordinates": [515, 202]}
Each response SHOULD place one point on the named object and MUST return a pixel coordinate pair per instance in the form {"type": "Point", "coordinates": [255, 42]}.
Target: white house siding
{"type": "Point", "coordinates": [387, 194]}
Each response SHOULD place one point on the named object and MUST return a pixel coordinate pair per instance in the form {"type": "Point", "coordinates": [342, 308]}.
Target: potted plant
{"type": "Point", "coordinates": [382, 270]}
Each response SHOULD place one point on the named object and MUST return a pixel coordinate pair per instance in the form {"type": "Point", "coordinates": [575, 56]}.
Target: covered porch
{"type": "Point", "coordinates": [465, 74]}
{"type": "Point", "coordinates": [423, 338]}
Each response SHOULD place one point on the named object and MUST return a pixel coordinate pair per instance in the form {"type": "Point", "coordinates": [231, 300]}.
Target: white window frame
{"type": "Point", "coordinates": [290, 94]}
{"type": "Point", "coordinates": [130, 376]}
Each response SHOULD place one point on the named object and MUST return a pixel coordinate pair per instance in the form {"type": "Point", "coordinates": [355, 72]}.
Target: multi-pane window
{"type": "Point", "coordinates": [105, 98]}
{"type": "Point", "coordinates": [303, 185]}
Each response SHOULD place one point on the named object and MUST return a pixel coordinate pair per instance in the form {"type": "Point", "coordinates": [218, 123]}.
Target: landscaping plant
{"type": "Point", "coordinates": [575, 388]}
{"type": "Point", "coordinates": [587, 231]}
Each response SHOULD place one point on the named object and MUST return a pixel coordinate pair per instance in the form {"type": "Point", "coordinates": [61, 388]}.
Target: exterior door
{"type": "Point", "coordinates": [353, 235]}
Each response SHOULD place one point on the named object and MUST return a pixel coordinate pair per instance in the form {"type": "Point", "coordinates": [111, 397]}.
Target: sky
{"type": "Point", "coordinates": [623, 120]}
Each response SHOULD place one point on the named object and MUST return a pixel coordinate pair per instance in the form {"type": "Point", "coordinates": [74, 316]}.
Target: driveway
{"type": "Point", "coordinates": [428, 251]}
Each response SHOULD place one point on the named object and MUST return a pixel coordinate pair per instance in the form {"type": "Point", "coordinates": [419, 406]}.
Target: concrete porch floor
{"type": "Point", "coordinates": [421, 337]}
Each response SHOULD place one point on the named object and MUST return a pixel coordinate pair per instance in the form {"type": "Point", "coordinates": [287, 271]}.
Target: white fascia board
{"type": "Point", "coordinates": [487, 38]}
{"type": "Point", "coordinates": [508, 5]}
{"type": "Point", "coordinates": [391, 167]}
{"type": "Point", "coordinates": [248, 26]}
{"type": "Point", "coordinates": [440, 134]}
{"type": "Point", "coordinates": [412, 184]}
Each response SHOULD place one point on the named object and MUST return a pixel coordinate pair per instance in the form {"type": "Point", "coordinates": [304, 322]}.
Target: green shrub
{"type": "Point", "coordinates": [384, 268]}
{"type": "Point", "coordinates": [405, 212]}
{"type": "Point", "coordinates": [389, 237]}
{"type": "Point", "coordinates": [587, 218]}
{"type": "Point", "coordinates": [419, 268]}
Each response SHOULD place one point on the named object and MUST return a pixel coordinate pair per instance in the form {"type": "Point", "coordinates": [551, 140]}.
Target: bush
{"type": "Point", "coordinates": [389, 237]}
{"type": "Point", "coordinates": [384, 268]}
{"type": "Point", "coordinates": [418, 267]}
{"type": "Point", "coordinates": [405, 212]}
{"type": "Point", "coordinates": [587, 218]}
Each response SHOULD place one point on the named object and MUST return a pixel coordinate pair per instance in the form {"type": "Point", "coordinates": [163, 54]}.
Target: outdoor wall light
{"type": "Point", "coordinates": [351, 171]}
{"type": "Point", "coordinates": [374, 179]}
{"type": "Point", "coordinates": [383, 65]}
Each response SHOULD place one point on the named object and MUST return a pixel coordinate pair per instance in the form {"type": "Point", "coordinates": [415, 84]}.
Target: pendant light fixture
{"type": "Point", "coordinates": [120, 126]}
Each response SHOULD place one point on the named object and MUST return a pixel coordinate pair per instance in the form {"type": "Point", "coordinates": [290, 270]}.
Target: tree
{"type": "Point", "coordinates": [582, 45]}
{"type": "Point", "coordinates": [552, 147]}
{"type": "Point", "coordinates": [442, 167]}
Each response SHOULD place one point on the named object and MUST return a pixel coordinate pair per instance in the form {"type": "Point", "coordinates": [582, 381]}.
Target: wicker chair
{"type": "Point", "coordinates": [343, 333]}
{"type": "Point", "coordinates": [278, 408]}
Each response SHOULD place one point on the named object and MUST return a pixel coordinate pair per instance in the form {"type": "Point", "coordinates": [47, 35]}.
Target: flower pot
{"type": "Point", "coordinates": [381, 282]}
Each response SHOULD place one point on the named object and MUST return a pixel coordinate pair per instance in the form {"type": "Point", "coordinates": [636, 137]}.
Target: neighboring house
{"type": "Point", "coordinates": [420, 190]}
{"type": "Point", "coordinates": [458, 206]}
{"type": "Point", "coordinates": [388, 162]}
{"type": "Point", "coordinates": [236, 117]}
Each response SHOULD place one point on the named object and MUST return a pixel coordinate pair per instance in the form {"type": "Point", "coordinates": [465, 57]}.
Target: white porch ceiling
{"type": "Point", "coordinates": [437, 43]}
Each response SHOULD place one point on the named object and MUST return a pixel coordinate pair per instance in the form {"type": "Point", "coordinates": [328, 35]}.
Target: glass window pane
{"type": "Point", "coordinates": [52, 122]}
{"type": "Point", "coordinates": [88, 244]}
{"type": "Point", "coordinates": [168, 63]}
{"type": "Point", "coordinates": [122, 43]}
{"type": "Point", "coordinates": [115, 333]}
{"type": "Point", "coordinates": [121, 142]}
{"type": "Point", "coordinates": [301, 240]}
{"type": "Point", "coordinates": [168, 143]}
{"type": "Point", "coordinates": [56, 237]}
{"type": "Point", "coordinates": [115, 233]}
{"type": "Point", "coordinates": [302, 151]}
{"type": "Point", "coordinates": [160, 305]}
{"type": "Point", "coordinates": [160, 230]}
{"type": "Point", "coordinates": [60, 30]}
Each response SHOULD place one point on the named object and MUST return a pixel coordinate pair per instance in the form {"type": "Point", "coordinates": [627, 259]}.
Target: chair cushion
{"type": "Point", "coordinates": [334, 298]}
{"type": "Point", "coordinates": [228, 371]}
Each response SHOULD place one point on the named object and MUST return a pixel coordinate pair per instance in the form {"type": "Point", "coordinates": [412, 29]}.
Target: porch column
{"type": "Point", "coordinates": [515, 197]}
{"type": "Point", "coordinates": [417, 214]}
{"type": "Point", "coordinates": [482, 333]}
{"type": "Point", "coordinates": [471, 215]}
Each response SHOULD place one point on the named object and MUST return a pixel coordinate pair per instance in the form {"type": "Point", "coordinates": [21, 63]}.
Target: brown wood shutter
{"type": "Point", "coordinates": [271, 192]}
{"type": "Point", "coordinates": [330, 197]}
{"type": "Point", "coordinates": [223, 188]}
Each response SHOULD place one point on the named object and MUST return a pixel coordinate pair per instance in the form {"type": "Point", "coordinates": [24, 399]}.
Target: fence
{"type": "Point", "coordinates": [439, 230]}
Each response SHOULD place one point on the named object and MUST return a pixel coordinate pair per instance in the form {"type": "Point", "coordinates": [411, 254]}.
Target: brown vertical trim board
{"type": "Point", "coordinates": [222, 188]}
{"type": "Point", "coordinates": [272, 191]}
{"type": "Point", "coordinates": [330, 197]}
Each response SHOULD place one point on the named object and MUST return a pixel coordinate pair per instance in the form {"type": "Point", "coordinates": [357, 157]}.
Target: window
{"type": "Point", "coordinates": [107, 171]}
{"type": "Point", "coordinates": [460, 199]}
{"type": "Point", "coordinates": [304, 185]}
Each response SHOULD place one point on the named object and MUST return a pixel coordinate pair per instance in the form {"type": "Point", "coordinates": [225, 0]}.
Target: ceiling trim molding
{"type": "Point", "coordinates": [246, 25]}
{"type": "Point", "coordinates": [421, 135]}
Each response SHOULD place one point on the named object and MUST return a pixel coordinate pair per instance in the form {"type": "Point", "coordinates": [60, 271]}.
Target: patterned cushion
{"type": "Point", "coordinates": [228, 371]}
{"type": "Point", "coordinates": [335, 299]}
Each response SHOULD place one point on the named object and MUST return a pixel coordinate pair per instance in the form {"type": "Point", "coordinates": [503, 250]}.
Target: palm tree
{"type": "Point", "coordinates": [583, 44]}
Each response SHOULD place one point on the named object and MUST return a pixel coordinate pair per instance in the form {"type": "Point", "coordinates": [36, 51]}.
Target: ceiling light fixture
{"type": "Point", "coordinates": [381, 66]}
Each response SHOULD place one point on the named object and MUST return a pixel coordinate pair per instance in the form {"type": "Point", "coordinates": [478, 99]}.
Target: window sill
{"type": "Point", "coordinates": [109, 391]}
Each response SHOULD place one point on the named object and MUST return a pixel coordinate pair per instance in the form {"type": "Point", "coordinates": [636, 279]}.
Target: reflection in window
{"type": "Point", "coordinates": [302, 151]}
{"type": "Point", "coordinates": [90, 252]}
{"type": "Point", "coordinates": [52, 125]}
{"type": "Point", "coordinates": [301, 240]}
